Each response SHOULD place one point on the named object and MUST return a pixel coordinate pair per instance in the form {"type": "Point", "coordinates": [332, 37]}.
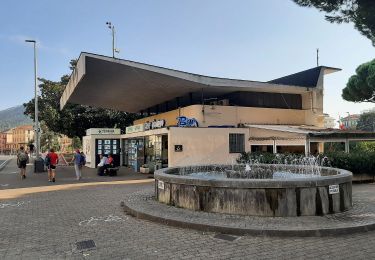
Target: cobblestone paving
{"type": "Point", "coordinates": [362, 214]}
{"type": "Point", "coordinates": [48, 225]}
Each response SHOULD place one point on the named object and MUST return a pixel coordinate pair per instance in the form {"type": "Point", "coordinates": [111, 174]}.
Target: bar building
{"type": "Point", "coordinates": [191, 119]}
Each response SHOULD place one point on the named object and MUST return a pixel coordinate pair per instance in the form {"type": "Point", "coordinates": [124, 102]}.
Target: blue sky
{"type": "Point", "coordinates": [255, 40]}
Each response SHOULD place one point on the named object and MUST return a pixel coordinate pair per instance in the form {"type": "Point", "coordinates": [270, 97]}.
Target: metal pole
{"type": "Point", "coordinates": [36, 119]}
{"type": "Point", "coordinates": [113, 41]}
{"type": "Point", "coordinates": [36, 102]}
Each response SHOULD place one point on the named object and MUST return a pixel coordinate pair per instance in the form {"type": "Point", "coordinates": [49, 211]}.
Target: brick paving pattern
{"type": "Point", "coordinates": [47, 226]}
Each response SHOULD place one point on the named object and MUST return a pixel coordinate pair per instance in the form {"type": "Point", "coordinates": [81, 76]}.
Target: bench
{"type": "Point", "coordinates": [111, 171]}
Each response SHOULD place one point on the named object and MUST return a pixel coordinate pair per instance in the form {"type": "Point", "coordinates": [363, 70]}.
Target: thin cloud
{"type": "Point", "coordinates": [20, 39]}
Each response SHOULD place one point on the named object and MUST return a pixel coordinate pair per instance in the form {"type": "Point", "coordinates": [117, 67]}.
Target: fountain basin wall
{"type": "Point", "coordinates": [307, 196]}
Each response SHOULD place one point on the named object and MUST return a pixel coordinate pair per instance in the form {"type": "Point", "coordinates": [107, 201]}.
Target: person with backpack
{"type": "Point", "coordinates": [22, 159]}
{"type": "Point", "coordinates": [83, 159]}
{"type": "Point", "coordinates": [52, 160]}
{"type": "Point", "coordinates": [77, 164]}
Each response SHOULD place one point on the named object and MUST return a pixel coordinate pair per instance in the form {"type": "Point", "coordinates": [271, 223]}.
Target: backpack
{"type": "Point", "coordinates": [22, 157]}
{"type": "Point", "coordinates": [82, 160]}
{"type": "Point", "coordinates": [47, 160]}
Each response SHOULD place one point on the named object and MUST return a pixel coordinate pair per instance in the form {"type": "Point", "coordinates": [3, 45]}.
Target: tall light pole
{"type": "Point", "coordinates": [112, 28]}
{"type": "Point", "coordinates": [36, 121]}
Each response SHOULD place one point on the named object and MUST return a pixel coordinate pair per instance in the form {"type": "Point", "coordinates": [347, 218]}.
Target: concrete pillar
{"type": "Point", "coordinates": [274, 147]}
{"type": "Point", "coordinates": [347, 146]}
{"type": "Point", "coordinates": [321, 147]}
{"type": "Point", "coordinates": [307, 147]}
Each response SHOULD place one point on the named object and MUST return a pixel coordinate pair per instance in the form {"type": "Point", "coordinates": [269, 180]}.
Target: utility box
{"type": "Point", "coordinates": [38, 165]}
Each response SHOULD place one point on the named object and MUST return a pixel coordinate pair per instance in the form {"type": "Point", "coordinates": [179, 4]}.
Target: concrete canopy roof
{"type": "Point", "coordinates": [318, 132]}
{"type": "Point", "coordinates": [123, 85]}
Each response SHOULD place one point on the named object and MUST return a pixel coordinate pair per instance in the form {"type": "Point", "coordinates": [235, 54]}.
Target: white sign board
{"type": "Point", "coordinates": [156, 124]}
{"type": "Point", "coordinates": [334, 189]}
{"type": "Point", "coordinates": [103, 131]}
{"type": "Point", "coordinates": [161, 185]}
{"type": "Point", "coordinates": [135, 129]}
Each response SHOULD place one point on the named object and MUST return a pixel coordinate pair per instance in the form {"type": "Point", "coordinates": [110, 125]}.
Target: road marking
{"type": "Point", "coordinates": [4, 163]}
{"type": "Point", "coordinates": [19, 203]}
{"type": "Point", "coordinates": [93, 221]}
{"type": "Point", "coordinates": [4, 185]}
{"type": "Point", "coordinates": [8, 173]}
{"type": "Point", "coordinates": [15, 193]}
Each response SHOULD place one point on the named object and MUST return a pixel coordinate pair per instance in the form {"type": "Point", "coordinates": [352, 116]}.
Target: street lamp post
{"type": "Point", "coordinates": [36, 121]}
{"type": "Point", "coordinates": [112, 28]}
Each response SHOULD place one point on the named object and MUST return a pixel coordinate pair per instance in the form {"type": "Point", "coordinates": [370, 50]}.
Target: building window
{"type": "Point", "coordinates": [236, 143]}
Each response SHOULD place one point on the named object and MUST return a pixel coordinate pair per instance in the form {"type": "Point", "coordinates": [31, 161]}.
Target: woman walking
{"type": "Point", "coordinates": [77, 164]}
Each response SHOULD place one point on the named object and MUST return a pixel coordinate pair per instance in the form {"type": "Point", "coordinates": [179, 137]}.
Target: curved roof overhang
{"type": "Point", "coordinates": [123, 85]}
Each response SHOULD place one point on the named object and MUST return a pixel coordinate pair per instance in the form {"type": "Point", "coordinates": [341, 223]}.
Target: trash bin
{"type": "Point", "coordinates": [38, 165]}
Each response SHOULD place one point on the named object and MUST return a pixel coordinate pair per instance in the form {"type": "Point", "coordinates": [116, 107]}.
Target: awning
{"type": "Point", "coordinates": [123, 85]}
{"type": "Point", "coordinates": [314, 134]}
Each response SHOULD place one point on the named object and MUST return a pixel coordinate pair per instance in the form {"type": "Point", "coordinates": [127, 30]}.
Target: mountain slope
{"type": "Point", "coordinates": [13, 117]}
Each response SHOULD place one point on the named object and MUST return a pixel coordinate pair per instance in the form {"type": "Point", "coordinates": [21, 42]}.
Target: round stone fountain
{"type": "Point", "coordinates": [258, 190]}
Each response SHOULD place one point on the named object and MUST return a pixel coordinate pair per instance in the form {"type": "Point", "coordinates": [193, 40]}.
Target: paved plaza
{"type": "Point", "coordinates": [84, 220]}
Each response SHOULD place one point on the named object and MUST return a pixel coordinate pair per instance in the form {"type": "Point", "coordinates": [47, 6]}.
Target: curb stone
{"type": "Point", "coordinates": [142, 212]}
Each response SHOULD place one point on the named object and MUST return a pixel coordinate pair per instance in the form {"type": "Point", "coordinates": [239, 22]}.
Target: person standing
{"type": "Point", "coordinates": [22, 159]}
{"type": "Point", "coordinates": [77, 164]}
{"type": "Point", "coordinates": [53, 161]}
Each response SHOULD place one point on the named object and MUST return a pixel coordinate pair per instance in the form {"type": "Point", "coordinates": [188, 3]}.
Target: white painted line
{"type": "Point", "coordinates": [18, 204]}
{"type": "Point", "coordinates": [3, 164]}
{"type": "Point", "coordinates": [8, 173]}
{"type": "Point", "coordinates": [93, 221]}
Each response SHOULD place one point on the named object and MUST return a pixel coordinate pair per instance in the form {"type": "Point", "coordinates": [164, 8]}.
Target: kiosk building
{"type": "Point", "coordinates": [191, 119]}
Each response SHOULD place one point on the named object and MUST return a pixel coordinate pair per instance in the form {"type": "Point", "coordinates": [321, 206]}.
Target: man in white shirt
{"type": "Point", "coordinates": [101, 164]}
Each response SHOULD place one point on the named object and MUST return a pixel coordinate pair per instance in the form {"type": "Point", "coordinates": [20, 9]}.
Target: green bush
{"type": "Point", "coordinates": [356, 162]}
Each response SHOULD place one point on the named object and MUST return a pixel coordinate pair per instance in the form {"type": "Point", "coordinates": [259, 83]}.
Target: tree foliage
{"type": "Point", "coordinates": [360, 12]}
{"type": "Point", "coordinates": [74, 119]}
{"type": "Point", "coordinates": [361, 86]}
{"type": "Point", "coordinates": [366, 122]}
{"type": "Point", "coordinates": [48, 139]}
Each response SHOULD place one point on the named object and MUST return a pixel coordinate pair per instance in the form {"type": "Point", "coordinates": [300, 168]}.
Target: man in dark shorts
{"type": "Point", "coordinates": [53, 160]}
{"type": "Point", "coordinates": [22, 159]}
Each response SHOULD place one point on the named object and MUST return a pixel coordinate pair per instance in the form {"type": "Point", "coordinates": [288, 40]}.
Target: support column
{"type": "Point", "coordinates": [321, 147]}
{"type": "Point", "coordinates": [307, 146]}
{"type": "Point", "coordinates": [274, 147]}
{"type": "Point", "coordinates": [347, 146]}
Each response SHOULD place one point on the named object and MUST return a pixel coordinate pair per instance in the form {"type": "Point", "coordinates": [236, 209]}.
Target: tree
{"type": "Point", "coordinates": [361, 87]}
{"type": "Point", "coordinates": [360, 12]}
{"type": "Point", "coordinates": [76, 143]}
{"type": "Point", "coordinates": [48, 139]}
{"type": "Point", "coordinates": [74, 119]}
{"type": "Point", "coordinates": [366, 122]}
